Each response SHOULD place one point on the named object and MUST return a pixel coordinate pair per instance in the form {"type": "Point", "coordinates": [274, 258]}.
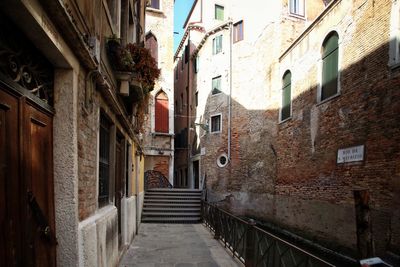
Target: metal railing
{"type": "Point", "coordinates": [252, 245]}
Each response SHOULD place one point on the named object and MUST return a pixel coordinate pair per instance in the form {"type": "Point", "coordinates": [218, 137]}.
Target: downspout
{"type": "Point", "coordinates": [230, 91]}
{"type": "Point", "coordinates": [137, 156]}
{"type": "Point", "coordinates": [189, 91]}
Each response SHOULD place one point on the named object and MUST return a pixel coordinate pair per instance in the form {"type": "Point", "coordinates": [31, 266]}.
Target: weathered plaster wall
{"type": "Point", "coordinates": [98, 239]}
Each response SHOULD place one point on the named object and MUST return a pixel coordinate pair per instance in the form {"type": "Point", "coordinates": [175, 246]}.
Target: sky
{"type": "Point", "coordinates": [181, 10]}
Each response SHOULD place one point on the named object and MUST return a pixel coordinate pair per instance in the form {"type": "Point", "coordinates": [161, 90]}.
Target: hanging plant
{"type": "Point", "coordinates": [119, 56]}
{"type": "Point", "coordinates": [145, 66]}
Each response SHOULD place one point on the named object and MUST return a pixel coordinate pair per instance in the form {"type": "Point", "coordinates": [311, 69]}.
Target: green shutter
{"type": "Point", "coordinates": [330, 67]}
{"type": "Point", "coordinates": [219, 12]}
{"type": "Point", "coordinates": [286, 96]}
{"type": "Point", "coordinates": [219, 43]}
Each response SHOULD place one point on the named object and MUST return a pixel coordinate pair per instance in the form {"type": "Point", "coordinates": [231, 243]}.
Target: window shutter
{"type": "Point", "coordinates": [219, 43]}
{"type": "Point", "coordinates": [161, 113]}
{"type": "Point", "coordinates": [330, 66]}
{"type": "Point", "coordinates": [219, 12]}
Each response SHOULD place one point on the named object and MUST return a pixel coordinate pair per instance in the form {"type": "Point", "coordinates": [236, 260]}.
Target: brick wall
{"type": "Point", "coordinates": [87, 153]}
{"type": "Point", "coordinates": [366, 112]}
{"type": "Point", "coordinates": [287, 172]}
{"type": "Point", "coordinates": [161, 165]}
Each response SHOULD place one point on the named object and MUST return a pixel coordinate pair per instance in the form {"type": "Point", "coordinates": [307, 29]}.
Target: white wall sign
{"type": "Point", "coordinates": [203, 151]}
{"type": "Point", "coordinates": [350, 154]}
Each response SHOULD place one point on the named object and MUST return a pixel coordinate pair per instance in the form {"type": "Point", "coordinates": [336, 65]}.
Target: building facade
{"type": "Point", "coordinates": [159, 121]}
{"type": "Point", "coordinates": [291, 117]}
{"type": "Point", "coordinates": [72, 164]}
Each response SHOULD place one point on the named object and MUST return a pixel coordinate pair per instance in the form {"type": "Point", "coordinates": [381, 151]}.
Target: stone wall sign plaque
{"type": "Point", "coordinates": [350, 154]}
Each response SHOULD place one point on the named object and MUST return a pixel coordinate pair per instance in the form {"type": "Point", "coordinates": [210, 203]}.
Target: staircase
{"type": "Point", "coordinates": [165, 205]}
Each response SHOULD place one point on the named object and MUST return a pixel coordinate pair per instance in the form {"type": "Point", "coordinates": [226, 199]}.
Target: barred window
{"type": "Point", "coordinates": [104, 161]}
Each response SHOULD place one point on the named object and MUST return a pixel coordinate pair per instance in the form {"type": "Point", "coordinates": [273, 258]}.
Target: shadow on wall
{"type": "Point", "coordinates": [287, 173]}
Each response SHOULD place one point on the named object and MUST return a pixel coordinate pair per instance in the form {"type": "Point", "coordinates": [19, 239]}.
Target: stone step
{"type": "Point", "coordinates": [171, 214]}
{"type": "Point", "coordinates": [174, 190]}
{"type": "Point", "coordinates": [172, 197]}
{"type": "Point", "coordinates": [171, 209]}
{"type": "Point", "coordinates": [172, 206]}
{"type": "Point", "coordinates": [168, 194]}
{"type": "Point", "coordinates": [171, 220]}
{"type": "Point", "coordinates": [172, 201]}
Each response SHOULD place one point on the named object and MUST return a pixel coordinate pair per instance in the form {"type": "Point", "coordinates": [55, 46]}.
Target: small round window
{"type": "Point", "coordinates": [222, 160]}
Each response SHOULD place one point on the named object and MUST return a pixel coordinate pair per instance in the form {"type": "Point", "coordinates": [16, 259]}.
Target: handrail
{"type": "Point", "coordinates": [252, 245]}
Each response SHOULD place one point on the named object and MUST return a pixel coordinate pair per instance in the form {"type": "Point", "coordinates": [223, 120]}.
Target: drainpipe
{"type": "Point", "coordinates": [189, 91]}
{"type": "Point", "coordinates": [137, 156]}
{"type": "Point", "coordinates": [230, 91]}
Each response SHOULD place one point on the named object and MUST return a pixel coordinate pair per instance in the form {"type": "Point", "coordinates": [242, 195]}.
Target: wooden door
{"type": "Point", "coordinates": [26, 184]}
{"type": "Point", "coordinates": [10, 187]}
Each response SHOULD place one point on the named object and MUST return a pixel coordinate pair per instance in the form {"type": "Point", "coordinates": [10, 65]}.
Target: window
{"type": "Point", "coordinates": [222, 160]}
{"type": "Point", "coordinates": [330, 57]}
{"type": "Point", "coordinates": [104, 160]}
{"type": "Point", "coordinates": [196, 98]}
{"type": "Point", "coordinates": [216, 85]}
{"type": "Point", "coordinates": [113, 12]}
{"type": "Point", "coordinates": [217, 44]}
{"type": "Point", "coordinates": [152, 44]}
{"type": "Point", "coordinates": [216, 124]}
{"type": "Point", "coordinates": [154, 4]}
{"type": "Point", "coordinates": [196, 64]}
{"type": "Point", "coordinates": [181, 106]}
{"type": "Point", "coordinates": [238, 31]}
{"type": "Point", "coordinates": [394, 45]}
{"type": "Point", "coordinates": [183, 55]}
{"type": "Point", "coordinates": [186, 53]}
{"type": "Point", "coordinates": [219, 12]}
{"type": "Point", "coordinates": [286, 96]}
{"type": "Point", "coordinates": [161, 113]}
{"type": "Point", "coordinates": [296, 7]}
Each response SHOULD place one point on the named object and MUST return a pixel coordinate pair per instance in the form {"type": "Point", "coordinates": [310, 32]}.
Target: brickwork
{"type": "Point", "coordinates": [286, 172]}
{"type": "Point", "coordinates": [364, 113]}
{"type": "Point", "coordinates": [87, 153]}
{"type": "Point", "coordinates": [162, 165]}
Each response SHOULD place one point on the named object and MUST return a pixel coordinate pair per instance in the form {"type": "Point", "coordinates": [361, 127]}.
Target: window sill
{"type": "Point", "coordinates": [154, 10]}
{"type": "Point", "coordinates": [217, 94]}
{"type": "Point", "coordinates": [216, 132]}
{"type": "Point", "coordinates": [162, 134]}
{"type": "Point", "coordinates": [285, 120]}
{"type": "Point", "coordinates": [394, 65]}
{"type": "Point", "coordinates": [329, 99]}
{"type": "Point", "coordinates": [297, 16]}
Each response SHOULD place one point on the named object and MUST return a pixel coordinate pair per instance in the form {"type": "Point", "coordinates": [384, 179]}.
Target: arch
{"type": "Point", "coordinates": [330, 66]}
{"type": "Point", "coordinates": [151, 43]}
{"type": "Point", "coordinates": [161, 112]}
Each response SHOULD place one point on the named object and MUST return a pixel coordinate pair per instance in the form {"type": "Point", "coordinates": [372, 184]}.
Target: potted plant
{"type": "Point", "coordinates": [145, 67]}
{"type": "Point", "coordinates": [122, 63]}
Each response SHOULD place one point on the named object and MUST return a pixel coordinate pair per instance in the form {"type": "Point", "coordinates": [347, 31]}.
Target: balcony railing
{"type": "Point", "coordinates": [252, 245]}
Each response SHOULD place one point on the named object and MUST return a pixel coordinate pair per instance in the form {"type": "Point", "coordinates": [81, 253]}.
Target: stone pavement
{"type": "Point", "coordinates": [178, 245]}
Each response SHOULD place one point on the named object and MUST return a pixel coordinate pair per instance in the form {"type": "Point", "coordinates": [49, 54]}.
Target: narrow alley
{"type": "Point", "coordinates": [199, 133]}
{"type": "Point", "coordinates": [176, 245]}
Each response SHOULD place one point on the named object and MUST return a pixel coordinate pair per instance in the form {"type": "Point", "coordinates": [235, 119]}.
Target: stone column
{"type": "Point", "coordinates": [66, 166]}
